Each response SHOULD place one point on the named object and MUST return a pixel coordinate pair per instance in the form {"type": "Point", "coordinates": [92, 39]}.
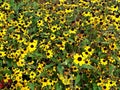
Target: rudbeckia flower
{"type": "Point", "coordinates": [113, 46]}
{"type": "Point", "coordinates": [32, 75]}
{"type": "Point", "coordinates": [103, 61]}
{"type": "Point", "coordinates": [32, 46]}
{"type": "Point", "coordinates": [2, 54]}
{"type": "Point", "coordinates": [49, 53]}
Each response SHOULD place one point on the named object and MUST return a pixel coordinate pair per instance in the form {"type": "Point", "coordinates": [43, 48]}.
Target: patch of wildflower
{"type": "Point", "coordinates": [59, 44]}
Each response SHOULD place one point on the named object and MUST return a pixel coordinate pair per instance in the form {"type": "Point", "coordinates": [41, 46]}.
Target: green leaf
{"type": "Point", "coordinates": [31, 85]}
{"type": "Point", "coordinates": [48, 66]}
{"type": "Point", "coordinates": [95, 87]}
{"type": "Point", "coordinates": [77, 79]}
{"type": "Point", "coordinates": [111, 69]}
{"type": "Point", "coordinates": [60, 69]}
{"type": "Point", "coordinates": [58, 87]}
{"type": "Point", "coordinates": [88, 66]}
{"type": "Point", "coordinates": [11, 2]}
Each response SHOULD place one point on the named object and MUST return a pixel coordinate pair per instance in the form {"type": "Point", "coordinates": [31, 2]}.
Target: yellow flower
{"type": "Point", "coordinates": [6, 78]}
{"type": "Point", "coordinates": [54, 28]}
{"type": "Point", "coordinates": [76, 56]}
{"type": "Point", "coordinates": [103, 61]}
{"type": "Point", "coordinates": [105, 87]}
{"type": "Point", "coordinates": [40, 23]}
{"type": "Point", "coordinates": [74, 68]}
{"type": "Point", "coordinates": [85, 54]}
{"type": "Point", "coordinates": [65, 80]}
{"type": "Point", "coordinates": [1, 47]}
{"type": "Point", "coordinates": [44, 82]}
{"type": "Point", "coordinates": [49, 54]}
{"type": "Point", "coordinates": [111, 83]}
{"type": "Point", "coordinates": [89, 50]}
{"type": "Point", "coordinates": [104, 49]}
{"type": "Point", "coordinates": [6, 6]}
{"type": "Point", "coordinates": [52, 36]}
{"type": "Point", "coordinates": [87, 62]}
{"type": "Point", "coordinates": [32, 75]}
{"type": "Point", "coordinates": [1, 16]}
{"type": "Point", "coordinates": [62, 1]}
{"type": "Point", "coordinates": [113, 46]}
{"type": "Point", "coordinates": [21, 62]}
{"type": "Point", "coordinates": [25, 88]}
{"type": "Point", "coordinates": [79, 59]}
{"type": "Point", "coordinates": [72, 31]}
{"type": "Point", "coordinates": [18, 78]}
{"type": "Point", "coordinates": [40, 67]}
{"type": "Point", "coordinates": [32, 46]}
{"type": "Point", "coordinates": [2, 54]}
{"type": "Point", "coordinates": [68, 10]}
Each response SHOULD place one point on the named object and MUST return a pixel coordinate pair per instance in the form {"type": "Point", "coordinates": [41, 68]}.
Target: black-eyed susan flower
{"type": "Point", "coordinates": [111, 59]}
{"type": "Point", "coordinates": [113, 46]}
{"type": "Point", "coordinates": [21, 62]}
{"type": "Point", "coordinates": [72, 31]}
{"type": "Point", "coordinates": [2, 54]}
{"type": "Point", "coordinates": [103, 61]}
{"type": "Point", "coordinates": [44, 82]}
{"type": "Point", "coordinates": [40, 67]}
{"type": "Point", "coordinates": [74, 69]}
{"type": "Point", "coordinates": [79, 59]}
{"type": "Point", "coordinates": [89, 50]}
{"type": "Point", "coordinates": [49, 53]}
{"type": "Point", "coordinates": [54, 28]}
{"type": "Point", "coordinates": [105, 87]}
{"type": "Point", "coordinates": [85, 54]}
{"type": "Point", "coordinates": [6, 6]}
{"type": "Point", "coordinates": [32, 46]}
{"type": "Point", "coordinates": [32, 74]}
{"type": "Point", "coordinates": [104, 49]}
{"type": "Point", "coordinates": [87, 62]}
{"type": "Point", "coordinates": [52, 36]}
{"type": "Point", "coordinates": [40, 23]}
{"type": "Point", "coordinates": [6, 78]}
{"type": "Point", "coordinates": [111, 83]}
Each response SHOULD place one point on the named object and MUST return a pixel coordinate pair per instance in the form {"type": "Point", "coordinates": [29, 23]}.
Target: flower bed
{"type": "Point", "coordinates": [60, 45]}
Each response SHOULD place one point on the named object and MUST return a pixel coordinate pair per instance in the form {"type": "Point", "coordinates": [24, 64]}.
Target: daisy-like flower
{"type": "Point", "coordinates": [21, 62]}
{"type": "Point", "coordinates": [89, 50]}
{"type": "Point", "coordinates": [72, 31]}
{"type": "Point", "coordinates": [52, 36]}
{"type": "Point", "coordinates": [44, 82]}
{"type": "Point", "coordinates": [2, 54]}
{"type": "Point", "coordinates": [54, 28]}
{"type": "Point", "coordinates": [85, 54]}
{"type": "Point", "coordinates": [6, 6]}
{"type": "Point", "coordinates": [103, 61]}
{"type": "Point", "coordinates": [104, 49]}
{"type": "Point", "coordinates": [40, 67]}
{"type": "Point", "coordinates": [49, 53]}
{"type": "Point", "coordinates": [40, 23]}
{"type": "Point", "coordinates": [87, 62]}
{"type": "Point", "coordinates": [32, 46]}
{"type": "Point", "coordinates": [32, 75]}
{"type": "Point", "coordinates": [105, 87]}
{"type": "Point", "coordinates": [113, 46]}
{"type": "Point", "coordinates": [79, 59]}
{"type": "Point", "coordinates": [1, 16]}
{"type": "Point", "coordinates": [111, 83]}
